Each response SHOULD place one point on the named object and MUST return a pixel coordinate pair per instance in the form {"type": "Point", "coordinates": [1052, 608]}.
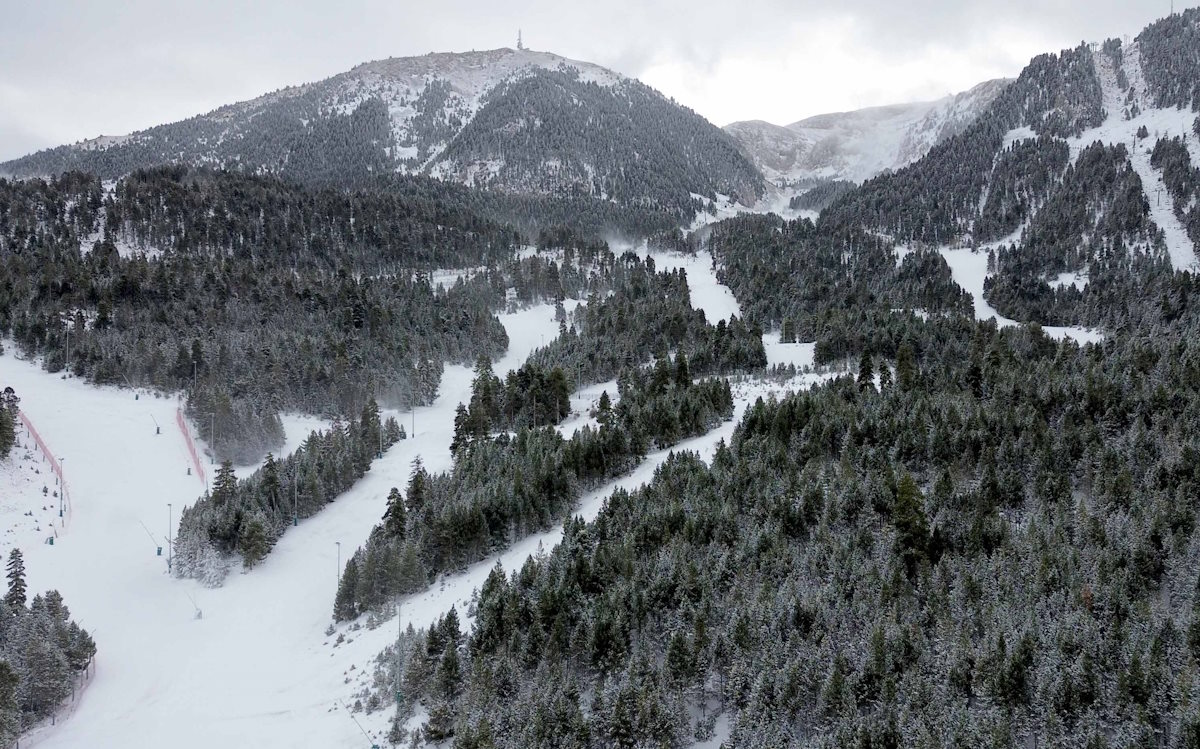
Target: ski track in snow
{"type": "Point", "coordinates": [254, 671]}
{"type": "Point", "coordinates": [707, 293]}
{"type": "Point", "coordinates": [363, 644]}
{"type": "Point", "coordinates": [969, 269]}
{"type": "Point", "coordinates": [1116, 130]}
{"type": "Point", "coordinates": [258, 669]}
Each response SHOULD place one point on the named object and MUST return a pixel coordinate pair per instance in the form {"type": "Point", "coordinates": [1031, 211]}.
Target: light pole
{"type": "Point", "coordinates": [62, 485]}
{"type": "Point", "coordinates": [212, 435]}
{"type": "Point", "coordinates": [399, 637]}
{"type": "Point", "coordinates": [170, 519]}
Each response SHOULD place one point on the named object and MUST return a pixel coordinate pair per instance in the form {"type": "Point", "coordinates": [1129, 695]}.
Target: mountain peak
{"type": "Point", "coordinates": [516, 120]}
{"type": "Point", "coordinates": [859, 144]}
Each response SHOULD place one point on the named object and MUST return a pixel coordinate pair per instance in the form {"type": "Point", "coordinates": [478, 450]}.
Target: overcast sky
{"type": "Point", "coordinates": [73, 69]}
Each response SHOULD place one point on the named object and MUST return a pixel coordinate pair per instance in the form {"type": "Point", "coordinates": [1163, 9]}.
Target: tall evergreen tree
{"type": "Point", "coordinates": [8, 435]}
{"type": "Point", "coordinates": [906, 367]}
{"type": "Point", "coordinates": [254, 544]}
{"type": "Point", "coordinates": [866, 374]}
{"type": "Point", "coordinates": [16, 579]}
{"type": "Point", "coordinates": [395, 519]}
{"type": "Point", "coordinates": [912, 525]}
{"type": "Point", "coordinates": [224, 484]}
{"type": "Point", "coordinates": [343, 604]}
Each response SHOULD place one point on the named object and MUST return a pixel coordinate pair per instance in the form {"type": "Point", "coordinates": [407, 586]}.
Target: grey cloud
{"type": "Point", "coordinates": [85, 68]}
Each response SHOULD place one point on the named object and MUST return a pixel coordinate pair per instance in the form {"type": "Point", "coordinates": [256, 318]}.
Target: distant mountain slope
{"type": "Point", "coordinates": [515, 120]}
{"type": "Point", "coordinates": [861, 144]}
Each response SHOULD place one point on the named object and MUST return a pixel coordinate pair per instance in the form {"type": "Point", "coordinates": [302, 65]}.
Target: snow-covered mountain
{"type": "Point", "coordinates": [858, 145]}
{"type": "Point", "coordinates": [517, 120]}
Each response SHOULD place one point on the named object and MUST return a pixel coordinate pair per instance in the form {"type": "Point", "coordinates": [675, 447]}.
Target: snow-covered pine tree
{"type": "Point", "coordinates": [16, 580]}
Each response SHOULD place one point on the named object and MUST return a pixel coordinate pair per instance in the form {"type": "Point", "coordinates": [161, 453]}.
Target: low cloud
{"type": "Point", "coordinates": [74, 69]}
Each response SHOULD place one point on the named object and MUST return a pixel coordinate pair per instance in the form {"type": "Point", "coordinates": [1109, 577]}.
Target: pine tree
{"type": "Point", "coordinates": [343, 604]}
{"type": "Point", "coordinates": [906, 367]}
{"type": "Point", "coordinates": [680, 660]}
{"type": "Point", "coordinates": [10, 709]}
{"type": "Point", "coordinates": [397, 733]}
{"type": "Point", "coordinates": [604, 409]}
{"type": "Point", "coordinates": [885, 378]}
{"type": "Point", "coordinates": [8, 435]}
{"type": "Point", "coordinates": [16, 580]}
{"type": "Point", "coordinates": [418, 483]}
{"type": "Point", "coordinates": [224, 484]}
{"type": "Point", "coordinates": [462, 429]}
{"type": "Point", "coordinates": [371, 428]}
{"type": "Point", "coordinates": [912, 526]}
{"type": "Point", "coordinates": [269, 487]}
{"type": "Point", "coordinates": [254, 543]}
{"type": "Point", "coordinates": [866, 375]}
{"type": "Point", "coordinates": [395, 520]}
{"type": "Point", "coordinates": [660, 376]}
{"type": "Point", "coordinates": [683, 377]}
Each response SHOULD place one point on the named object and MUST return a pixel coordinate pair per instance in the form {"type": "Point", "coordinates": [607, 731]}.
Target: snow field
{"type": "Point", "coordinates": [969, 269]}
{"type": "Point", "coordinates": [707, 293]}
{"type": "Point", "coordinates": [254, 670]}
{"type": "Point", "coordinates": [361, 644]}
{"type": "Point", "coordinates": [1116, 130]}
{"type": "Point", "coordinates": [28, 496]}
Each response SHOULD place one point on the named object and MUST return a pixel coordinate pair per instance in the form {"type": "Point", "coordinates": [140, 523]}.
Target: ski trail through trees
{"type": "Point", "coordinates": [243, 665]}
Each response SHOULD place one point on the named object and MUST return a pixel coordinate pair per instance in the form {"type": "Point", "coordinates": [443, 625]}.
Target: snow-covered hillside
{"type": "Point", "coordinates": [858, 145]}
{"type": "Point", "coordinates": [429, 99]}
{"type": "Point", "coordinates": [516, 120]}
{"type": "Point", "coordinates": [458, 82]}
{"type": "Point", "coordinates": [1129, 110]}
{"type": "Point", "coordinates": [254, 669]}
{"type": "Point", "coordinates": [250, 663]}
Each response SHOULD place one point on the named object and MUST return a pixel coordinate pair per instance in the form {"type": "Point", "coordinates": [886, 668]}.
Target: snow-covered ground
{"type": "Point", "coordinates": [1077, 280]}
{"type": "Point", "coordinates": [29, 501]}
{"type": "Point", "coordinates": [1116, 130]}
{"type": "Point", "coordinates": [447, 277]}
{"type": "Point", "coordinates": [707, 293]}
{"type": "Point", "coordinates": [798, 354]}
{"type": "Point", "coordinates": [969, 269]}
{"type": "Point", "coordinates": [254, 670]}
{"type": "Point", "coordinates": [583, 402]}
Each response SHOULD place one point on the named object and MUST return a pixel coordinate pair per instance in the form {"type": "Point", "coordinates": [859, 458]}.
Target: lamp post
{"type": "Point", "coordinates": [170, 519]}
{"type": "Point", "coordinates": [62, 485]}
{"type": "Point", "coordinates": [399, 638]}
{"type": "Point", "coordinates": [212, 435]}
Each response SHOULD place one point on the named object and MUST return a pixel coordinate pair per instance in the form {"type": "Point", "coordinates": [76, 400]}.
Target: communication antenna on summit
{"type": "Point", "coordinates": [521, 43]}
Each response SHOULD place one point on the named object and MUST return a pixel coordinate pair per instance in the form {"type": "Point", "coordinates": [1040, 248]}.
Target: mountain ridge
{"type": "Point", "coordinates": [858, 144]}
{"type": "Point", "coordinates": [519, 121]}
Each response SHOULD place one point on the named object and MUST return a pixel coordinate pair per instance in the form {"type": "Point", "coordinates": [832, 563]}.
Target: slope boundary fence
{"type": "Point", "coordinates": [56, 466]}
{"type": "Point", "coordinates": [191, 445]}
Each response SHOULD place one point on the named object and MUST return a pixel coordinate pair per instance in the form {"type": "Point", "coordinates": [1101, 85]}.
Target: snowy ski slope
{"type": "Point", "coordinates": [257, 669]}
{"type": "Point", "coordinates": [253, 671]}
